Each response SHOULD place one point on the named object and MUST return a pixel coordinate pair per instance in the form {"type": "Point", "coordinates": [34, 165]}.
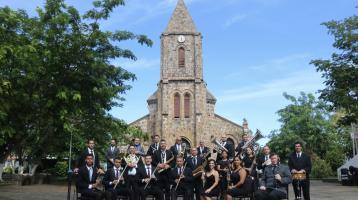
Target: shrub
{"type": "Point", "coordinates": [321, 169]}
{"type": "Point", "coordinates": [7, 170]}
{"type": "Point", "coordinates": [60, 169]}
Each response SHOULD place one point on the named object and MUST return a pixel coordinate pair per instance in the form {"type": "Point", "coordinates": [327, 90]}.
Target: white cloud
{"type": "Point", "coordinates": [235, 19]}
{"type": "Point", "coordinates": [141, 63]}
{"type": "Point", "coordinates": [305, 80]}
{"type": "Point", "coordinates": [283, 62]}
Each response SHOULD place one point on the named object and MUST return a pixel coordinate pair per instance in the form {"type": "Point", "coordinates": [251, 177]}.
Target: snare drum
{"type": "Point", "coordinates": [299, 176]}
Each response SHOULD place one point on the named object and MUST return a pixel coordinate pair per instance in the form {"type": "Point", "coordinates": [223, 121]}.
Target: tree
{"type": "Point", "coordinates": [341, 71]}
{"type": "Point", "coordinates": [309, 121]}
{"type": "Point", "coordinates": [57, 80]}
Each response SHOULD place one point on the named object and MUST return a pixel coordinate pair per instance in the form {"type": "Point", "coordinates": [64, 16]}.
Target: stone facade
{"type": "Point", "coordinates": [184, 80]}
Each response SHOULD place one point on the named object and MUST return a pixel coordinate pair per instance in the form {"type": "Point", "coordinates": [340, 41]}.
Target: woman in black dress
{"type": "Point", "coordinates": [211, 178]}
{"type": "Point", "coordinates": [223, 167]}
{"type": "Point", "coordinates": [240, 182]}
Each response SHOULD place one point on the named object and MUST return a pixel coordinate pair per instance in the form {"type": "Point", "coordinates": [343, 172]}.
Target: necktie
{"type": "Point", "coordinates": [274, 173]}
{"type": "Point", "coordinates": [266, 158]}
{"type": "Point", "coordinates": [180, 171]}
{"type": "Point", "coordinates": [90, 170]}
{"type": "Point", "coordinates": [117, 173]}
{"type": "Point", "coordinates": [148, 171]}
{"type": "Point", "coordinates": [298, 155]}
{"type": "Point", "coordinates": [163, 157]}
{"type": "Point", "coordinates": [201, 150]}
{"type": "Point", "coordinates": [194, 161]}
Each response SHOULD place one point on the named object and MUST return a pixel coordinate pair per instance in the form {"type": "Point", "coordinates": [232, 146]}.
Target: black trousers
{"type": "Point", "coordinates": [181, 190]}
{"type": "Point", "coordinates": [198, 187]}
{"type": "Point", "coordinates": [120, 190]}
{"type": "Point", "coordinates": [304, 185]}
{"type": "Point", "coordinates": [151, 190]}
{"type": "Point", "coordinates": [133, 186]}
{"type": "Point", "coordinates": [164, 183]}
{"type": "Point", "coordinates": [269, 194]}
{"type": "Point", "coordinates": [93, 194]}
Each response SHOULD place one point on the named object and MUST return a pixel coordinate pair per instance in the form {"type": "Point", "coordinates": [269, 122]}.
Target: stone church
{"type": "Point", "coordinates": [182, 106]}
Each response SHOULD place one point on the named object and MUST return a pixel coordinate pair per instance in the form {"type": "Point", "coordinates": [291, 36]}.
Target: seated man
{"type": "Point", "coordinates": [181, 179]}
{"type": "Point", "coordinates": [114, 183]}
{"type": "Point", "coordinates": [86, 182]}
{"type": "Point", "coordinates": [275, 179]}
{"type": "Point", "coordinates": [147, 181]}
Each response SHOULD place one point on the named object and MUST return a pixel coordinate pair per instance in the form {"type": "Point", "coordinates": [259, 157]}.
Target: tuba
{"type": "Point", "coordinates": [218, 147]}
{"type": "Point", "coordinates": [253, 140]}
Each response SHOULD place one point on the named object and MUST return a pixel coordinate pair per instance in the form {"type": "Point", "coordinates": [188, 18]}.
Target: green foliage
{"type": "Point", "coordinates": [60, 169]}
{"type": "Point", "coordinates": [57, 80]}
{"type": "Point", "coordinates": [341, 71]}
{"type": "Point", "coordinates": [321, 169]}
{"type": "Point", "coordinates": [7, 170]}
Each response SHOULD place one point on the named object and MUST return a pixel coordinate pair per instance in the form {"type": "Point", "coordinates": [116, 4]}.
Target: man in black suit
{"type": "Point", "coordinates": [154, 146]}
{"type": "Point", "coordinates": [86, 181]}
{"type": "Point", "coordinates": [244, 140]}
{"type": "Point", "coordinates": [112, 153]}
{"type": "Point", "coordinates": [202, 149]}
{"type": "Point", "coordinates": [193, 162]}
{"type": "Point", "coordinates": [263, 160]}
{"type": "Point", "coordinates": [114, 177]}
{"type": "Point", "coordinates": [228, 146]}
{"type": "Point", "coordinates": [274, 181]}
{"type": "Point", "coordinates": [164, 160]}
{"type": "Point", "coordinates": [147, 176]}
{"type": "Point", "coordinates": [88, 151]}
{"type": "Point", "coordinates": [177, 148]}
{"type": "Point", "coordinates": [300, 162]}
{"type": "Point", "coordinates": [181, 180]}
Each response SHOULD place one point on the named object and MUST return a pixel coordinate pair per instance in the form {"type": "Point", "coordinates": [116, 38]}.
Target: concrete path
{"type": "Point", "coordinates": [319, 191]}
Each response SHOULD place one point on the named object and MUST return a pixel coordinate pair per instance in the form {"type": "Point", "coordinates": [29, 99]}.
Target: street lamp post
{"type": "Point", "coordinates": [69, 172]}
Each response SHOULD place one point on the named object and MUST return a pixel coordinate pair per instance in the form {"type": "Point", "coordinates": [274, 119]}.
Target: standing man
{"type": "Point", "coordinates": [264, 160]}
{"type": "Point", "coordinates": [176, 149]}
{"type": "Point", "coordinates": [300, 162]}
{"type": "Point", "coordinates": [228, 146]}
{"type": "Point", "coordinates": [164, 159]}
{"type": "Point", "coordinates": [154, 146]}
{"type": "Point", "coordinates": [112, 153]}
{"type": "Point", "coordinates": [245, 139]}
{"type": "Point", "coordinates": [202, 149]}
{"type": "Point", "coordinates": [274, 181]}
{"type": "Point", "coordinates": [139, 150]}
{"type": "Point", "coordinates": [193, 162]}
{"type": "Point", "coordinates": [87, 180]}
{"type": "Point", "coordinates": [88, 151]}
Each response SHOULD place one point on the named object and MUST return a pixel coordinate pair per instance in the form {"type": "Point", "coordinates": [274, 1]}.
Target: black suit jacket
{"type": "Point", "coordinates": [205, 150]}
{"type": "Point", "coordinates": [110, 176]}
{"type": "Point", "coordinates": [152, 149]}
{"type": "Point", "coordinates": [142, 174]}
{"type": "Point", "coordinates": [81, 159]}
{"type": "Point", "coordinates": [111, 155]}
{"type": "Point", "coordinates": [83, 181]}
{"type": "Point", "coordinates": [174, 150]}
{"type": "Point", "coordinates": [190, 162]}
{"type": "Point", "coordinates": [239, 147]}
{"type": "Point", "coordinates": [157, 158]}
{"type": "Point", "coordinates": [260, 160]}
{"type": "Point", "coordinates": [186, 182]}
{"type": "Point", "coordinates": [304, 162]}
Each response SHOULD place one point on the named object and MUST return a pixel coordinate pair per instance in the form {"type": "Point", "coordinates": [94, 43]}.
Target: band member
{"type": "Point", "coordinates": [300, 162]}
{"type": "Point", "coordinates": [147, 180]}
{"type": "Point", "coordinates": [114, 177]}
{"type": "Point", "coordinates": [177, 148]}
{"type": "Point", "coordinates": [228, 146]}
{"type": "Point", "coordinates": [89, 150]}
{"type": "Point", "coordinates": [132, 162]}
{"type": "Point", "coordinates": [274, 181]}
{"type": "Point", "coordinates": [245, 139]}
{"type": "Point", "coordinates": [181, 180]}
{"type": "Point", "coordinates": [112, 152]}
{"type": "Point", "coordinates": [86, 182]}
{"type": "Point", "coordinates": [154, 146]}
{"type": "Point", "coordinates": [223, 167]}
{"type": "Point", "coordinates": [139, 150]}
{"type": "Point", "coordinates": [211, 178]}
{"type": "Point", "coordinates": [250, 162]}
{"type": "Point", "coordinates": [163, 159]}
{"type": "Point", "coordinates": [264, 159]}
{"type": "Point", "coordinates": [193, 162]}
{"type": "Point", "coordinates": [202, 149]}
{"type": "Point", "coordinates": [240, 183]}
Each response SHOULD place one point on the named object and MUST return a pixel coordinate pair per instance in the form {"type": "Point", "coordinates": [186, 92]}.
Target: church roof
{"type": "Point", "coordinates": [153, 98]}
{"type": "Point", "coordinates": [210, 98]}
{"type": "Point", "coordinates": [181, 21]}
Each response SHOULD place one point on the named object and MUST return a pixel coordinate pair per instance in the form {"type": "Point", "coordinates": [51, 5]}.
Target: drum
{"type": "Point", "coordinates": [299, 176]}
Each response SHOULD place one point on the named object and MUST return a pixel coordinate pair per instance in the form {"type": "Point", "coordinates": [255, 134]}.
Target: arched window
{"type": "Point", "coordinates": [187, 105]}
{"type": "Point", "coordinates": [176, 105]}
{"type": "Point", "coordinates": [181, 57]}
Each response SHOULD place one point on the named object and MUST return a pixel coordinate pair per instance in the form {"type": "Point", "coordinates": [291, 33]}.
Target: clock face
{"type": "Point", "coordinates": [181, 38]}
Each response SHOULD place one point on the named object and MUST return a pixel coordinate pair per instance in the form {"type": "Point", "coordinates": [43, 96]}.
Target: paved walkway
{"type": "Point", "coordinates": [319, 191]}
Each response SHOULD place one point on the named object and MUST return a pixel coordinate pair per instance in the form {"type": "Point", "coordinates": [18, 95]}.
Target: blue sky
{"type": "Point", "coordinates": [253, 50]}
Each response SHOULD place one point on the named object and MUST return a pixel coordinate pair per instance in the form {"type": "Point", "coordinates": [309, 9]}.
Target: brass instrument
{"type": "Point", "coordinates": [119, 178]}
{"type": "Point", "coordinates": [180, 176]}
{"type": "Point", "coordinates": [99, 184]}
{"type": "Point", "coordinates": [252, 142]}
{"type": "Point", "coordinates": [167, 162]}
{"type": "Point", "coordinates": [201, 169]}
{"type": "Point", "coordinates": [218, 147]}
